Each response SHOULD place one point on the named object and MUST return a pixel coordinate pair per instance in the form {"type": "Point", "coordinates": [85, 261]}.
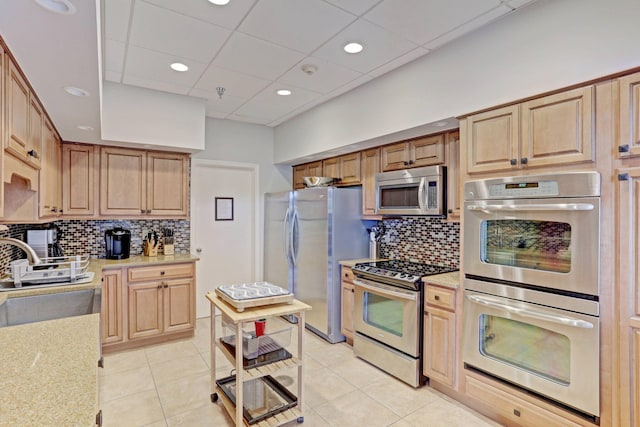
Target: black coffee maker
{"type": "Point", "coordinates": [118, 241]}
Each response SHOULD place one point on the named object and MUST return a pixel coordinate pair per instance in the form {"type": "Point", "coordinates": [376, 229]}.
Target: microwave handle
{"type": "Point", "coordinates": [421, 194]}
{"type": "Point", "coordinates": [534, 314]}
{"type": "Point", "coordinates": [411, 296]}
{"type": "Point", "coordinates": [534, 207]}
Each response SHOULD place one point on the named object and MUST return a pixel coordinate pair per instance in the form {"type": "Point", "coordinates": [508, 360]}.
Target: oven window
{"type": "Point", "coordinates": [540, 245]}
{"type": "Point", "coordinates": [383, 313]}
{"type": "Point", "coordinates": [399, 197]}
{"type": "Point", "coordinates": [525, 346]}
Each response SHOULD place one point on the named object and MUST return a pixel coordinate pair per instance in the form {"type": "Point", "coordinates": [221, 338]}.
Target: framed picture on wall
{"type": "Point", "coordinates": [224, 208]}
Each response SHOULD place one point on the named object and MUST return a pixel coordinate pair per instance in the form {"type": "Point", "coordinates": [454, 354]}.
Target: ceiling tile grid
{"type": "Point", "coordinates": [251, 48]}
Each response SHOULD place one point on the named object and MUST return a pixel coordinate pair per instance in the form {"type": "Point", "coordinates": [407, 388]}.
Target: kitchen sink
{"type": "Point", "coordinates": [37, 308]}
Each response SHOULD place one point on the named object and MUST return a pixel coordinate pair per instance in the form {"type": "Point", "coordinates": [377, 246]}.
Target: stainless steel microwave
{"type": "Point", "coordinates": [418, 191]}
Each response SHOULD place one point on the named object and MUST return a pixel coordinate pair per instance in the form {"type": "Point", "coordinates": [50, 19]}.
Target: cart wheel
{"type": "Point", "coordinates": [300, 420]}
{"type": "Point", "coordinates": [214, 397]}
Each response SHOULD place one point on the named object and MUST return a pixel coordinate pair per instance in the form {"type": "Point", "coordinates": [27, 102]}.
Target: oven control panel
{"type": "Point", "coordinates": [509, 190]}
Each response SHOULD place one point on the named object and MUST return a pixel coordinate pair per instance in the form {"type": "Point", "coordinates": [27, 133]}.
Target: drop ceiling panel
{"type": "Point", "coordinates": [400, 61]}
{"type": "Point", "coordinates": [380, 47]}
{"type": "Point", "coordinates": [165, 31]}
{"type": "Point", "coordinates": [327, 78]}
{"type": "Point", "coordinates": [154, 66]}
{"type": "Point", "coordinates": [228, 16]}
{"type": "Point", "coordinates": [357, 7]}
{"type": "Point", "coordinates": [267, 106]}
{"type": "Point", "coordinates": [422, 21]}
{"type": "Point", "coordinates": [235, 83]}
{"type": "Point", "coordinates": [299, 25]}
{"type": "Point", "coordinates": [225, 105]}
{"type": "Point", "coordinates": [117, 14]}
{"type": "Point", "coordinates": [114, 55]}
{"type": "Point", "coordinates": [155, 84]}
{"type": "Point", "coordinates": [256, 57]}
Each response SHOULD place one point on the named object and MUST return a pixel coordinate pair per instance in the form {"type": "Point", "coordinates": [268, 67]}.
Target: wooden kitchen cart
{"type": "Point", "coordinates": [250, 314]}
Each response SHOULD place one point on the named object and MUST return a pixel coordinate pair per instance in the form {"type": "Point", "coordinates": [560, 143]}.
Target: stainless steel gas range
{"type": "Point", "coordinates": [388, 315]}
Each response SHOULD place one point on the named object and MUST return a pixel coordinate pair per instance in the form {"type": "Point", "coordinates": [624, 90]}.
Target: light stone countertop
{"type": "Point", "coordinates": [448, 280]}
{"type": "Point", "coordinates": [48, 372]}
{"type": "Point", "coordinates": [352, 262]}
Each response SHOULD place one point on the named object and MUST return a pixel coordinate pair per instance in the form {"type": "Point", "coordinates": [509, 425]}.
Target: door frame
{"type": "Point", "coordinates": [256, 237]}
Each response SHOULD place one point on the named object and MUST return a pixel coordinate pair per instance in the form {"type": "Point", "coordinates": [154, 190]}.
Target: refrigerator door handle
{"type": "Point", "coordinates": [293, 237]}
{"type": "Point", "coordinates": [285, 238]}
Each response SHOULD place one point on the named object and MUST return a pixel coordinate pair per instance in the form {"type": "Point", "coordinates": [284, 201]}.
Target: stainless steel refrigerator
{"type": "Point", "coordinates": [306, 233]}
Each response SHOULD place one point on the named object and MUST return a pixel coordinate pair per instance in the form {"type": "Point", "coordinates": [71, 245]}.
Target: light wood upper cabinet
{"type": "Point", "coordinates": [50, 194]}
{"type": "Point", "coordinates": [112, 317]}
{"type": "Point", "coordinates": [454, 183]}
{"type": "Point", "coordinates": [136, 182]}
{"type": "Point", "coordinates": [369, 167]}
{"type": "Point", "coordinates": [553, 130]}
{"type": "Point", "coordinates": [78, 179]}
{"type": "Point", "coordinates": [37, 133]}
{"type": "Point", "coordinates": [123, 181]}
{"type": "Point", "coordinates": [167, 184]}
{"type": "Point", "coordinates": [307, 169]}
{"type": "Point", "coordinates": [629, 145]}
{"type": "Point", "coordinates": [345, 168]}
{"type": "Point", "coordinates": [17, 113]}
{"type": "Point", "coordinates": [425, 151]}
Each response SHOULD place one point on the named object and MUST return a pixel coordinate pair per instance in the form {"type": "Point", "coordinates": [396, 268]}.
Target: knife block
{"type": "Point", "coordinates": [150, 250]}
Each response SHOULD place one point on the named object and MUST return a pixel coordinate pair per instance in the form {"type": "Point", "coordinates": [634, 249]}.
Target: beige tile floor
{"type": "Point", "coordinates": [169, 385]}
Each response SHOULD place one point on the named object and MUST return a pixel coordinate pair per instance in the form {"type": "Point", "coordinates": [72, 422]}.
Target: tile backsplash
{"type": "Point", "coordinates": [421, 239]}
{"type": "Point", "coordinates": [86, 237]}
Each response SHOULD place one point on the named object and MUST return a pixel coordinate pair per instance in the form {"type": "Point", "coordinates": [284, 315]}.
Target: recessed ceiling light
{"type": "Point", "coordinates": [283, 92]}
{"type": "Point", "coordinates": [219, 2]}
{"type": "Point", "coordinates": [83, 127]}
{"type": "Point", "coordinates": [63, 7]}
{"type": "Point", "coordinates": [76, 91]}
{"type": "Point", "coordinates": [179, 66]}
{"type": "Point", "coordinates": [353, 47]}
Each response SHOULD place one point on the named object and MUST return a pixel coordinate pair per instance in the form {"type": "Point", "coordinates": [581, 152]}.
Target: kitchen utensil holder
{"type": "Point", "coordinates": [168, 249]}
{"type": "Point", "coordinates": [149, 249]}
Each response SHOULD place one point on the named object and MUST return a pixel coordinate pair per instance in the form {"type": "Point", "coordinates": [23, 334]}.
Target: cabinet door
{"type": "Point", "coordinates": [123, 181]}
{"type": "Point", "coordinates": [111, 311]}
{"type": "Point", "coordinates": [370, 166]}
{"type": "Point", "coordinates": [50, 174]}
{"type": "Point", "coordinates": [439, 345]}
{"type": "Point", "coordinates": [299, 172]}
{"type": "Point", "coordinates": [347, 304]}
{"type": "Point", "coordinates": [145, 309]}
{"type": "Point", "coordinates": [17, 113]}
{"type": "Point", "coordinates": [558, 129]}
{"type": "Point", "coordinates": [3, 103]}
{"type": "Point", "coordinates": [454, 185]}
{"type": "Point", "coordinates": [395, 156]}
{"type": "Point", "coordinates": [179, 305]}
{"type": "Point", "coordinates": [36, 131]}
{"type": "Point", "coordinates": [167, 184]}
{"type": "Point", "coordinates": [78, 179]}
{"type": "Point", "coordinates": [314, 168]}
{"type": "Point", "coordinates": [350, 168]}
{"type": "Point", "coordinates": [331, 168]}
{"type": "Point", "coordinates": [629, 116]}
{"type": "Point", "coordinates": [427, 151]}
{"type": "Point", "coordinates": [492, 140]}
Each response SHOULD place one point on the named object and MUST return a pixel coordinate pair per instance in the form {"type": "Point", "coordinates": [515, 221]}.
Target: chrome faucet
{"type": "Point", "coordinates": [32, 256]}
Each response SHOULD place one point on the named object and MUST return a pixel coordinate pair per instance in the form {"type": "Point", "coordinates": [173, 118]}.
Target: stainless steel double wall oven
{"type": "Point", "coordinates": [531, 264]}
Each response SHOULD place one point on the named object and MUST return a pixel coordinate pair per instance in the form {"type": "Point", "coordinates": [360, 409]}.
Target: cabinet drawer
{"type": "Point", "coordinates": [440, 297]}
{"type": "Point", "coordinates": [347, 274]}
{"type": "Point", "coordinates": [513, 408]}
{"type": "Point", "coordinates": [155, 272]}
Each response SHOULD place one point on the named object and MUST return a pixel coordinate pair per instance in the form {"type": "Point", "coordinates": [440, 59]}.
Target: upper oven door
{"type": "Point", "coordinates": [388, 314]}
{"type": "Point", "coordinates": [552, 243]}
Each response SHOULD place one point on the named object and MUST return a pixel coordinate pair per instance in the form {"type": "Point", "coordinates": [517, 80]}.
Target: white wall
{"type": "Point", "coordinates": [544, 46]}
{"type": "Point", "coordinates": [246, 143]}
{"type": "Point", "coordinates": [156, 119]}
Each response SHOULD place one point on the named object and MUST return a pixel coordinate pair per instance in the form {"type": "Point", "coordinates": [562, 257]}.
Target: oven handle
{"type": "Point", "coordinates": [535, 207]}
{"type": "Point", "coordinates": [534, 314]}
{"type": "Point", "coordinates": [411, 296]}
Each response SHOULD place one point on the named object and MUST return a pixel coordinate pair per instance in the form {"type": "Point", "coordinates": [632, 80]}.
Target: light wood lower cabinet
{"type": "Point", "coordinates": [147, 304]}
{"type": "Point", "coordinates": [347, 305]}
{"type": "Point", "coordinates": [112, 302]}
{"type": "Point", "coordinates": [439, 341]}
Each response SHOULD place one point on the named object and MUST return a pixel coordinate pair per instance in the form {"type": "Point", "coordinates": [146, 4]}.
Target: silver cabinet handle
{"type": "Point", "coordinates": [534, 314]}
{"type": "Point", "coordinates": [534, 207]}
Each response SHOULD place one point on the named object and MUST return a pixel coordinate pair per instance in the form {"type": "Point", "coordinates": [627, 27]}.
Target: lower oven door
{"type": "Point", "coordinates": [388, 314]}
{"type": "Point", "coordinates": [550, 351]}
